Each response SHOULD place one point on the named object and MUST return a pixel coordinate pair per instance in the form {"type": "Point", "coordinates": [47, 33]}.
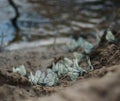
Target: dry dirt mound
{"type": "Point", "coordinates": [104, 89]}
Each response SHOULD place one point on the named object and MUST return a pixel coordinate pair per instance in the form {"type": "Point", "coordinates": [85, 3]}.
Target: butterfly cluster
{"type": "Point", "coordinates": [51, 77]}
{"type": "Point", "coordinates": [65, 66]}
{"type": "Point", "coordinates": [81, 43]}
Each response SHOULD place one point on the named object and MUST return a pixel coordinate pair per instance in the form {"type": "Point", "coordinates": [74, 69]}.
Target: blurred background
{"type": "Point", "coordinates": [31, 20]}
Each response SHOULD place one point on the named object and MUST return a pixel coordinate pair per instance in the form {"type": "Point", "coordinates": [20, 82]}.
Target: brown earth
{"type": "Point", "coordinates": [106, 88]}
{"type": "Point", "coordinates": [102, 84]}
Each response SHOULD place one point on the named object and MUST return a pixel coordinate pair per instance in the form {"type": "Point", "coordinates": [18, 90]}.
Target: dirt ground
{"type": "Point", "coordinates": [102, 84]}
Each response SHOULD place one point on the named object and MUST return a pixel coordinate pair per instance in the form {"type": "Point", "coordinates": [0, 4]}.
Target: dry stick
{"type": "Point", "coordinates": [2, 39]}
{"type": "Point", "coordinates": [56, 59]}
{"type": "Point", "coordinates": [54, 43]}
{"type": "Point", "coordinates": [2, 42]}
{"type": "Point", "coordinates": [14, 20]}
{"type": "Point", "coordinates": [113, 56]}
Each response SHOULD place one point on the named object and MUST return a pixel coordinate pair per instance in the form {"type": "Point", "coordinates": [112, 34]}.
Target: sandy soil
{"type": "Point", "coordinates": [102, 84]}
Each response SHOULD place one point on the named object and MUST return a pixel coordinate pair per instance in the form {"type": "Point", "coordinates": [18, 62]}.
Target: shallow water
{"type": "Point", "coordinates": [55, 18]}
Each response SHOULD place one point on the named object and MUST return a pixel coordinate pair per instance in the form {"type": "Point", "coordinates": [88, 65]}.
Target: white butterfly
{"type": "Point", "coordinates": [21, 69]}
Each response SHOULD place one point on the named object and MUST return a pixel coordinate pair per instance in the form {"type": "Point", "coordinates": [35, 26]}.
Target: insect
{"type": "Point", "coordinates": [109, 36]}
{"type": "Point", "coordinates": [21, 69]}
